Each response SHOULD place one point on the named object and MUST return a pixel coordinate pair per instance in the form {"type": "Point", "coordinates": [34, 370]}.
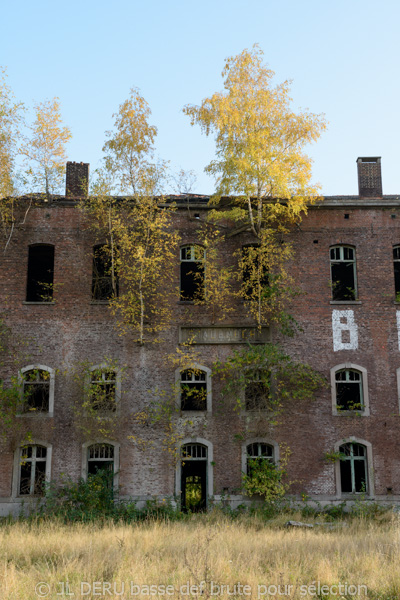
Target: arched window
{"type": "Point", "coordinates": [349, 389]}
{"type": "Point", "coordinates": [194, 388]}
{"type": "Point", "coordinates": [37, 390]}
{"type": "Point", "coordinates": [353, 468]}
{"type": "Point", "coordinates": [257, 452]}
{"type": "Point", "coordinates": [101, 458]}
{"type": "Point", "coordinates": [192, 273]}
{"type": "Point", "coordinates": [104, 286]}
{"type": "Point", "coordinates": [343, 273]}
{"type": "Point", "coordinates": [40, 273]}
{"type": "Point", "coordinates": [34, 463]}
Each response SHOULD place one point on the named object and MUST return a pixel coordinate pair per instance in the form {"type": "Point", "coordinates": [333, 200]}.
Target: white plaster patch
{"type": "Point", "coordinates": [398, 326]}
{"type": "Point", "coordinates": [343, 323]}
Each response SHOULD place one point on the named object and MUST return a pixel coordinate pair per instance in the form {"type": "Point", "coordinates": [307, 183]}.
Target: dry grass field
{"type": "Point", "coordinates": [202, 557]}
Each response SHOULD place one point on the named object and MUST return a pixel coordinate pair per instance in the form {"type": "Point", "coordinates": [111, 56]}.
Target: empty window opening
{"type": "Point", "coordinates": [100, 460]}
{"type": "Point", "coordinates": [192, 273]}
{"type": "Point", "coordinates": [343, 273]}
{"type": "Point", "coordinates": [256, 452]}
{"type": "Point", "coordinates": [257, 390]}
{"type": "Point", "coordinates": [193, 390]}
{"type": "Point", "coordinates": [36, 391]}
{"type": "Point", "coordinates": [194, 461]}
{"type": "Point", "coordinates": [40, 273]}
{"type": "Point", "coordinates": [396, 267]}
{"type": "Point", "coordinates": [32, 470]}
{"type": "Point", "coordinates": [104, 285]}
{"type": "Point", "coordinates": [353, 468]}
{"type": "Point", "coordinates": [349, 390]}
{"type": "Point", "coordinates": [103, 390]}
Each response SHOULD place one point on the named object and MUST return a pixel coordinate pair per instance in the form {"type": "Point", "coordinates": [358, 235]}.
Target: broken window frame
{"type": "Point", "coordinates": [102, 288]}
{"type": "Point", "coordinates": [364, 410]}
{"type": "Point", "coordinates": [48, 382]}
{"type": "Point", "coordinates": [345, 257]}
{"type": "Point", "coordinates": [196, 370]}
{"type": "Point", "coordinates": [40, 280]}
{"type": "Point", "coordinates": [104, 370]}
{"type": "Point", "coordinates": [350, 453]}
{"type": "Point", "coordinates": [396, 271]}
{"type": "Point", "coordinates": [38, 477]}
{"type": "Point", "coordinates": [193, 254]}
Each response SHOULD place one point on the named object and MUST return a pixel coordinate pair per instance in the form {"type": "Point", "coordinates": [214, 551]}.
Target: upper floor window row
{"type": "Point", "coordinates": [105, 282]}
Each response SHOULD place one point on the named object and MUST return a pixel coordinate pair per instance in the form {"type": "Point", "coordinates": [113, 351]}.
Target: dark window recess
{"type": "Point", "coordinates": [257, 391]}
{"type": "Point", "coordinates": [32, 471]}
{"type": "Point", "coordinates": [102, 284]}
{"type": "Point", "coordinates": [343, 273]}
{"type": "Point", "coordinates": [255, 274]}
{"type": "Point", "coordinates": [193, 390]}
{"type": "Point", "coordinates": [101, 462]}
{"type": "Point", "coordinates": [36, 390]}
{"type": "Point", "coordinates": [40, 273]}
{"type": "Point", "coordinates": [349, 390]}
{"type": "Point", "coordinates": [396, 266]}
{"type": "Point", "coordinates": [353, 469]}
{"type": "Point", "coordinates": [192, 273]}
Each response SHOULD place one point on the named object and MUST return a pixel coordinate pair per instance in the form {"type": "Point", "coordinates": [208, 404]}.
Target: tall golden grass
{"type": "Point", "coordinates": [38, 559]}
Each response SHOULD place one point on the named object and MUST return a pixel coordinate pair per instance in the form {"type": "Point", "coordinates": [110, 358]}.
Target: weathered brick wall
{"type": "Point", "coordinates": [73, 331]}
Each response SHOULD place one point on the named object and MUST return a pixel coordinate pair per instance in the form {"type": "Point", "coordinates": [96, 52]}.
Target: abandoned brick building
{"type": "Point", "coordinates": [347, 262]}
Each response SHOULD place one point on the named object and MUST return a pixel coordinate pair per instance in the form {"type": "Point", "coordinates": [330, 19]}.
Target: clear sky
{"type": "Point", "coordinates": [342, 56]}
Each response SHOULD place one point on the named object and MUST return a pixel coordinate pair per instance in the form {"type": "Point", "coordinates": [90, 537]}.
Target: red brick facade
{"type": "Point", "coordinates": [73, 330]}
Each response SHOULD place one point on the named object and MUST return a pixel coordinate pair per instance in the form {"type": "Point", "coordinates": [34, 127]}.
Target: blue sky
{"type": "Point", "coordinates": [342, 56]}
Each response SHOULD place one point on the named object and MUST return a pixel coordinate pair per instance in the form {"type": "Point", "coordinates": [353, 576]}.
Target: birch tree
{"type": "Point", "coordinates": [44, 149]}
{"type": "Point", "coordinates": [140, 235]}
{"type": "Point", "coordinates": [261, 162]}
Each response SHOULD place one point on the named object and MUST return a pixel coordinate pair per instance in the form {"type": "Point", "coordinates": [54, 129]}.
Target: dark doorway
{"type": "Point", "coordinates": [194, 485]}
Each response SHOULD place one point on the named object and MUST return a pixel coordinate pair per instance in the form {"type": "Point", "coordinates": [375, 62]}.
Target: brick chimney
{"type": "Point", "coordinates": [369, 177]}
{"type": "Point", "coordinates": [77, 180]}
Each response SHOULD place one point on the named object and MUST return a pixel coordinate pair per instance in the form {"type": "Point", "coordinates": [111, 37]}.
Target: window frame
{"type": "Point", "coordinates": [105, 367]}
{"type": "Point", "coordinates": [102, 300]}
{"type": "Point", "coordinates": [396, 260]}
{"type": "Point", "coordinates": [84, 464]}
{"type": "Point", "coordinates": [178, 384]}
{"type": "Point", "coordinates": [370, 492]}
{"type": "Point", "coordinates": [37, 367]}
{"type": "Point", "coordinates": [17, 468]}
{"type": "Point", "coordinates": [29, 279]}
{"type": "Point", "coordinates": [259, 440]}
{"type": "Point", "coordinates": [365, 412]}
{"type": "Point", "coordinates": [192, 246]}
{"type": "Point", "coordinates": [341, 248]}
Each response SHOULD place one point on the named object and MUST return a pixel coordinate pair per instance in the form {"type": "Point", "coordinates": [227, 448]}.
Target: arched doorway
{"type": "Point", "coordinates": [194, 462]}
